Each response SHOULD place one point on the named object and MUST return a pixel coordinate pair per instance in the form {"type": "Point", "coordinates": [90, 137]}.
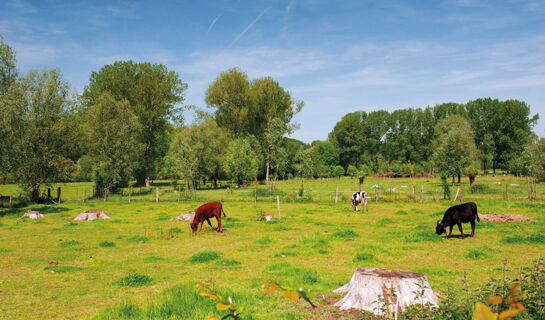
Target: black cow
{"type": "Point", "coordinates": [462, 213]}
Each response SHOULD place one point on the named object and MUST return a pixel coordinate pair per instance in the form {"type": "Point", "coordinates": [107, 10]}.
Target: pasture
{"type": "Point", "coordinates": [140, 264]}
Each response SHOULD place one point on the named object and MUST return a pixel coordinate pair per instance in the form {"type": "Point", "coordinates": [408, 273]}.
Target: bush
{"type": "Point", "coordinates": [338, 171]}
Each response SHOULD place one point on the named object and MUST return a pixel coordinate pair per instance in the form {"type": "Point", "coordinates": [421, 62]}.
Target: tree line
{"type": "Point", "coordinates": [128, 127]}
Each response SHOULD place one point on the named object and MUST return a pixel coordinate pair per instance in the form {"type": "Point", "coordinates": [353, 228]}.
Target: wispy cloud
{"type": "Point", "coordinates": [250, 26]}
{"type": "Point", "coordinates": [287, 12]}
{"type": "Point", "coordinates": [213, 23]}
{"type": "Point", "coordinates": [22, 6]}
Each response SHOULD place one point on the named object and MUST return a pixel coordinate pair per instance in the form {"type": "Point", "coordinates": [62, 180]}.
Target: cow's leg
{"type": "Point", "coordinates": [355, 205]}
{"type": "Point", "coordinates": [202, 223]}
{"type": "Point", "coordinates": [449, 231]}
{"type": "Point", "coordinates": [472, 228]}
{"type": "Point", "coordinates": [366, 208]}
{"type": "Point", "coordinates": [460, 227]}
{"type": "Point", "coordinates": [208, 220]}
{"type": "Point", "coordinates": [218, 217]}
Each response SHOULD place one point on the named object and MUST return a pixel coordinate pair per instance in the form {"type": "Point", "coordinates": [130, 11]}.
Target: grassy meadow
{"type": "Point", "coordinates": [140, 264]}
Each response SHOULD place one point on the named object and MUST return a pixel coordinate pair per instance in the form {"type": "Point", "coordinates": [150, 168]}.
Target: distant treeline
{"type": "Point", "coordinates": [127, 127]}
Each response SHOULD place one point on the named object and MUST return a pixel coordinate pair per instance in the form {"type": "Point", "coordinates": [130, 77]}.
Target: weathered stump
{"type": "Point", "coordinates": [91, 215]}
{"type": "Point", "coordinates": [33, 214]}
{"type": "Point", "coordinates": [375, 290]}
{"type": "Point", "coordinates": [188, 216]}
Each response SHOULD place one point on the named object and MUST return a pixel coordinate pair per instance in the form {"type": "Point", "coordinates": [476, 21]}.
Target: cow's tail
{"type": "Point", "coordinates": [223, 212]}
{"type": "Point", "coordinates": [477, 214]}
{"type": "Point", "coordinates": [478, 220]}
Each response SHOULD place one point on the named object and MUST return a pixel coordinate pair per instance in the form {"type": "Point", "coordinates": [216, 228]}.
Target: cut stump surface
{"type": "Point", "coordinates": [369, 286]}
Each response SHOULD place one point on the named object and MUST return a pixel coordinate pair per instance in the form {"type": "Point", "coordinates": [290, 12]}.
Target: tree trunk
{"type": "Point", "coordinates": [147, 180]}
{"type": "Point", "coordinates": [459, 177]}
{"type": "Point", "coordinates": [36, 194]}
{"type": "Point", "coordinates": [371, 285]}
{"type": "Point", "coordinates": [267, 172]}
{"type": "Point", "coordinates": [471, 181]}
{"type": "Point", "coordinates": [453, 180]}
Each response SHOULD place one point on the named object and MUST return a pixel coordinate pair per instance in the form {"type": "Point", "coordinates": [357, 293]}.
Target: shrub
{"type": "Point", "coordinates": [134, 280]}
{"type": "Point", "coordinates": [205, 256]}
{"type": "Point", "coordinates": [105, 244]}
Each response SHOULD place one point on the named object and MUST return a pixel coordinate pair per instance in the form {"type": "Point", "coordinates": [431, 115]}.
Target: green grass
{"type": "Point", "coordinates": [62, 269]}
{"type": "Point", "coordinates": [106, 244]}
{"type": "Point", "coordinates": [317, 244]}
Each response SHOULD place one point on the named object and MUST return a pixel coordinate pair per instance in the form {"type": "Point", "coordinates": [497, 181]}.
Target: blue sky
{"type": "Point", "coordinates": [336, 56]}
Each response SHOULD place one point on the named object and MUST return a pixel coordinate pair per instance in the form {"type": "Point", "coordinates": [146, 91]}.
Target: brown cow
{"type": "Point", "coordinates": [205, 212]}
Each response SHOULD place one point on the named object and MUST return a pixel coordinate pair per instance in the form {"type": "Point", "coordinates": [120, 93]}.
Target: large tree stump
{"type": "Point", "coordinates": [371, 289]}
{"type": "Point", "coordinates": [91, 215]}
{"type": "Point", "coordinates": [188, 216]}
{"type": "Point", "coordinates": [33, 215]}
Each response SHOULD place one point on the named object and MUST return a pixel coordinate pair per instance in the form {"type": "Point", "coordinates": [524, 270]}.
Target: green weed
{"type": "Point", "coordinates": [134, 280]}
{"type": "Point", "coordinates": [344, 234]}
{"type": "Point", "coordinates": [69, 243]}
{"type": "Point", "coordinates": [264, 241]}
{"type": "Point", "coordinates": [62, 269]}
{"type": "Point", "coordinates": [291, 274]}
{"type": "Point", "coordinates": [138, 239]}
{"type": "Point", "coordinates": [105, 244]}
{"type": "Point", "coordinates": [534, 238]}
{"type": "Point", "coordinates": [205, 256]}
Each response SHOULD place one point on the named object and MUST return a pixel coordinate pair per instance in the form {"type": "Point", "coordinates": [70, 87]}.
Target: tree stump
{"type": "Point", "coordinates": [33, 214]}
{"type": "Point", "coordinates": [379, 290]}
{"type": "Point", "coordinates": [91, 215]}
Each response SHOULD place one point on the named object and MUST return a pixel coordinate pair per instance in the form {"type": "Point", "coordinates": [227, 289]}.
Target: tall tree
{"type": "Point", "coordinates": [502, 129]}
{"type": "Point", "coordinates": [154, 94]}
{"type": "Point", "coordinates": [241, 161]}
{"type": "Point", "coordinates": [42, 148]}
{"type": "Point", "coordinates": [348, 136]}
{"type": "Point", "coordinates": [10, 96]}
{"type": "Point", "coordinates": [230, 95]}
{"type": "Point", "coordinates": [454, 146]}
{"type": "Point", "coordinates": [110, 127]}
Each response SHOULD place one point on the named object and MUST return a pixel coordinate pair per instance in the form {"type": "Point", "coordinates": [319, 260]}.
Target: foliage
{"type": "Point", "coordinates": [222, 305]}
{"type": "Point", "coordinates": [153, 93]}
{"type": "Point", "coordinates": [512, 300]}
{"type": "Point", "coordinates": [303, 164]}
{"type": "Point", "coordinates": [241, 161]}
{"type": "Point", "coordinates": [40, 122]}
{"type": "Point", "coordinates": [446, 186]}
{"type": "Point", "coordinates": [351, 171]}
{"type": "Point", "coordinates": [454, 145]}
{"type": "Point", "coordinates": [270, 287]}
{"type": "Point", "coordinates": [338, 171]}
{"type": "Point", "coordinates": [111, 127]}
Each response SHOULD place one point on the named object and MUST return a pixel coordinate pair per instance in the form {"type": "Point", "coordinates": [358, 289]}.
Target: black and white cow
{"type": "Point", "coordinates": [359, 197]}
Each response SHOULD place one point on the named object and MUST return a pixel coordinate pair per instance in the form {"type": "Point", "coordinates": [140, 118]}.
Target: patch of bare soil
{"type": "Point", "coordinates": [500, 217]}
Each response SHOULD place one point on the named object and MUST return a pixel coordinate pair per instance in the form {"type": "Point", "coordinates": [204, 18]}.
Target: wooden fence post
{"type": "Point", "coordinates": [528, 180]}
{"type": "Point", "coordinates": [461, 193]}
{"type": "Point", "coordinates": [156, 194]}
{"type": "Point", "coordinates": [436, 196]}
{"type": "Point", "coordinates": [10, 201]}
{"type": "Point", "coordinates": [278, 205]}
{"type": "Point", "coordinates": [507, 191]}
{"type": "Point", "coordinates": [221, 196]}
{"type": "Point", "coordinates": [59, 195]}
{"type": "Point", "coordinates": [376, 196]}
{"type": "Point", "coordinates": [421, 192]}
{"type": "Point", "coordinates": [337, 194]}
{"type": "Point", "coordinates": [130, 193]}
{"type": "Point", "coordinates": [457, 192]}
{"type": "Point", "coordinates": [293, 193]}
{"type": "Point", "coordinates": [105, 195]}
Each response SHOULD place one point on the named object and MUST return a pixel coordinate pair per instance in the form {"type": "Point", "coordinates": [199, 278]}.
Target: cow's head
{"type": "Point", "coordinates": [194, 225]}
{"type": "Point", "coordinates": [440, 229]}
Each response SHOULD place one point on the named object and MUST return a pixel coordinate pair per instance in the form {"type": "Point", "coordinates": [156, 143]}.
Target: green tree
{"type": "Point", "coordinates": [338, 171]}
{"type": "Point", "coordinates": [181, 159]}
{"type": "Point", "coordinates": [153, 94]}
{"type": "Point", "coordinates": [10, 97]}
{"type": "Point", "coordinates": [454, 146]}
{"type": "Point", "coordinates": [352, 171]}
{"type": "Point", "coordinates": [348, 137]}
{"type": "Point", "coordinates": [230, 95]}
{"type": "Point", "coordinates": [110, 127]}
{"type": "Point", "coordinates": [241, 161]}
{"type": "Point", "coordinates": [42, 147]}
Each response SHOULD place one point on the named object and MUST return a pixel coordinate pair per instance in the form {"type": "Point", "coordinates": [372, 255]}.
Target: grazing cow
{"type": "Point", "coordinates": [205, 212]}
{"type": "Point", "coordinates": [359, 197]}
{"type": "Point", "coordinates": [462, 213]}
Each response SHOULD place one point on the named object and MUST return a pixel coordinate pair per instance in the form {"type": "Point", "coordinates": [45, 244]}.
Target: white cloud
{"type": "Point", "coordinates": [250, 26]}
